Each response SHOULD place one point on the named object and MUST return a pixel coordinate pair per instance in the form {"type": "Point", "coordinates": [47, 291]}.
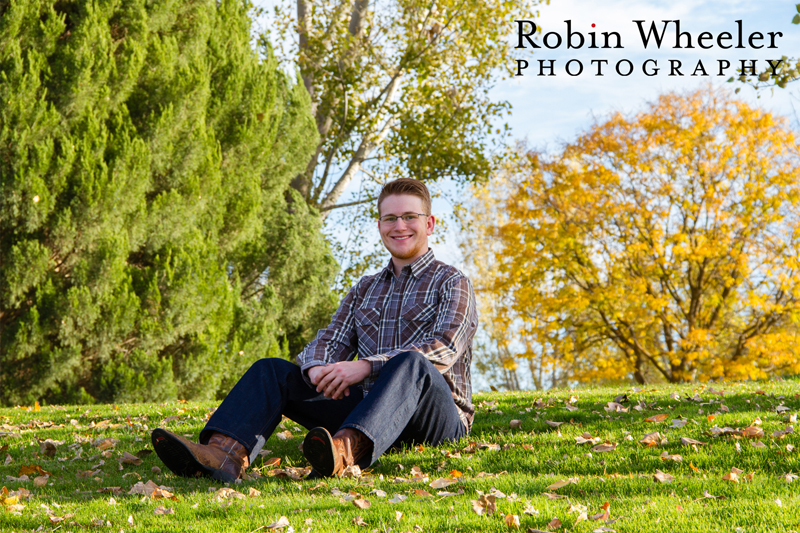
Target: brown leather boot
{"type": "Point", "coordinates": [331, 455]}
{"type": "Point", "coordinates": [223, 458]}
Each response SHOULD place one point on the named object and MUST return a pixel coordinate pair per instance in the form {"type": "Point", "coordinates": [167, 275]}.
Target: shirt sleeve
{"type": "Point", "coordinates": [337, 342]}
{"type": "Point", "coordinates": [451, 334]}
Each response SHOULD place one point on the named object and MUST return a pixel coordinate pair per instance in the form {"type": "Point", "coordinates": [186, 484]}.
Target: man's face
{"type": "Point", "coordinates": [405, 240]}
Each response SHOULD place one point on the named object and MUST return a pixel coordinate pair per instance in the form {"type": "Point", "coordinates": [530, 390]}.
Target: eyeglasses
{"type": "Point", "coordinates": [408, 218]}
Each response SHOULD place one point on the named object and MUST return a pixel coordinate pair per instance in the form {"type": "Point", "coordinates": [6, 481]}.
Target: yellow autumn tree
{"type": "Point", "coordinates": [662, 245]}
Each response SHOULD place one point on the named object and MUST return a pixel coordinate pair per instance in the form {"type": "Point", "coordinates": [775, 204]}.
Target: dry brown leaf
{"type": "Point", "coordinates": [130, 459]}
{"type": "Point", "coordinates": [603, 515]}
{"type": "Point", "coordinates": [552, 496]}
{"type": "Point", "coordinates": [678, 423]}
{"type": "Point", "coordinates": [105, 444]}
{"type": "Point", "coordinates": [515, 424]}
{"type": "Point", "coordinates": [455, 474]}
{"type": "Point", "coordinates": [668, 457]}
{"type": "Point", "coordinates": [789, 477]}
{"type": "Point", "coordinates": [614, 407]}
{"type": "Point", "coordinates": [651, 439]}
{"type": "Point", "coordinates": [605, 447]}
{"type": "Point", "coordinates": [422, 493]}
{"type": "Point", "coordinates": [657, 418]}
{"type": "Point", "coordinates": [512, 520]}
{"type": "Point", "coordinates": [753, 432]}
{"type": "Point", "coordinates": [48, 446]}
{"type": "Point", "coordinates": [284, 435]}
{"type": "Point", "coordinates": [362, 503]}
{"type": "Point", "coordinates": [552, 423]}
{"type": "Point", "coordinates": [253, 493]}
{"type": "Point", "coordinates": [757, 444]}
{"type": "Point", "coordinates": [40, 481]}
{"type": "Point", "coordinates": [686, 441]}
{"type": "Point", "coordinates": [24, 470]}
{"type": "Point", "coordinates": [562, 483]}
{"type": "Point", "coordinates": [398, 516]}
{"type": "Point", "coordinates": [162, 510]}
{"type": "Point", "coordinates": [484, 505]}
{"type": "Point", "coordinates": [663, 477]}
{"type": "Point", "coordinates": [442, 483]}
{"type": "Point", "coordinates": [555, 523]}
{"type": "Point", "coordinates": [281, 523]}
{"type": "Point", "coordinates": [359, 522]}
{"type": "Point", "coordinates": [733, 475]}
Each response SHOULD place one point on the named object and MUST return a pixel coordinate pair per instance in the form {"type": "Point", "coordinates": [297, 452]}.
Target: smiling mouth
{"type": "Point", "coordinates": [402, 238]}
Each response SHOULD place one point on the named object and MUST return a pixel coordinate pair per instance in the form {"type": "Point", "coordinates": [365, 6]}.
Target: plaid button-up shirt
{"type": "Point", "coordinates": [429, 308]}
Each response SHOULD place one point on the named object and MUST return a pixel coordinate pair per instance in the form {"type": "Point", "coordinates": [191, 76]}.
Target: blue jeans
{"type": "Point", "coordinates": [410, 402]}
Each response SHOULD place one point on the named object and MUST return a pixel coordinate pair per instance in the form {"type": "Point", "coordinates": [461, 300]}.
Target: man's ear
{"type": "Point", "coordinates": [430, 223]}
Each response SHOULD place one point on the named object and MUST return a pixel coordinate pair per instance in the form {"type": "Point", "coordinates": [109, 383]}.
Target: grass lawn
{"type": "Point", "coordinates": [523, 463]}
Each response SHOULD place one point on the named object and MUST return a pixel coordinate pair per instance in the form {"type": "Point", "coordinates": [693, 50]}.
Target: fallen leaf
{"type": "Point", "coordinates": [606, 447]}
{"type": "Point", "coordinates": [253, 493]}
{"type": "Point", "coordinates": [657, 418]}
{"type": "Point", "coordinates": [40, 481]}
{"type": "Point", "coordinates": [732, 476]}
{"type": "Point", "coordinates": [758, 444]}
{"type": "Point", "coordinates": [667, 457]}
{"type": "Point", "coordinates": [614, 407]}
{"type": "Point", "coordinates": [398, 516]}
{"type": "Point", "coordinates": [562, 483]}
{"type": "Point", "coordinates": [359, 522]}
{"type": "Point", "coordinates": [663, 477]}
{"type": "Point", "coordinates": [686, 441]}
{"type": "Point", "coordinates": [284, 435]}
{"type": "Point", "coordinates": [281, 523]}
{"type": "Point", "coordinates": [529, 510]}
{"type": "Point", "coordinates": [422, 493]}
{"type": "Point", "coordinates": [753, 432]}
{"type": "Point", "coordinates": [789, 477]}
{"type": "Point", "coordinates": [555, 523]}
{"type": "Point", "coordinates": [586, 437]}
{"type": "Point", "coordinates": [455, 474]}
{"type": "Point", "coordinates": [651, 439]}
{"type": "Point", "coordinates": [484, 505]}
{"type": "Point", "coordinates": [553, 424]}
{"type": "Point", "coordinates": [604, 515]}
{"type": "Point", "coordinates": [678, 423]}
{"type": "Point", "coordinates": [551, 496]}
{"type": "Point", "coordinates": [397, 498]}
{"type": "Point", "coordinates": [162, 510]}
{"type": "Point", "coordinates": [128, 458]}
{"type": "Point", "coordinates": [24, 470]}
{"type": "Point", "coordinates": [105, 444]}
{"type": "Point", "coordinates": [443, 482]}
{"type": "Point", "coordinates": [48, 446]}
{"type": "Point", "coordinates": [515, 424]}
{"type": "Point", "coordinates": [362, 503]}
{"type": "Point", "coordinates": [512, 520]}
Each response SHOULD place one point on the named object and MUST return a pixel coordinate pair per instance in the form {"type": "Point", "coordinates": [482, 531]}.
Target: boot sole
{"type": "Point", "coordinates": [180, 460]}
{"type": "Point", "coordinates": [318, 449]}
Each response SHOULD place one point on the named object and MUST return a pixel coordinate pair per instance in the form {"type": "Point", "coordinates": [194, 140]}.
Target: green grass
{"type": "Point", "coordinates": [530, 459]}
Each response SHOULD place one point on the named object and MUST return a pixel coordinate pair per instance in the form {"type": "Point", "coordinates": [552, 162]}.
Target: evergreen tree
{"type": "Point", "coordinates": [150, 246]}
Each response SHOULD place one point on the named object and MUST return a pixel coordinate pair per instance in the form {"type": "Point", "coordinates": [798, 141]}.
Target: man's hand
{"type": "Point", "coordinates": [334, 380]}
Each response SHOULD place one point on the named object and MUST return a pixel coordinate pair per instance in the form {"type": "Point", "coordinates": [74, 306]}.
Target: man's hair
{"type": "Point", "coordinates": [407, 186]}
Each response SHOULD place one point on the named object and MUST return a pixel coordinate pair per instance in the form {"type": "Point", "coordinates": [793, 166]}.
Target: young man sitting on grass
{"type": "Point", "coordinates": [411, 326]}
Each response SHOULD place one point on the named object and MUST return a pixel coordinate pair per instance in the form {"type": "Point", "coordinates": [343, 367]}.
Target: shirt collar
{"type": "Point", "coordinates": [419, 265]}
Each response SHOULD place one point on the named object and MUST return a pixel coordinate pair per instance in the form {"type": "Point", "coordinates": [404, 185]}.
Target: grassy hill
{"type": "Point", "coordinates": [662, 458]}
